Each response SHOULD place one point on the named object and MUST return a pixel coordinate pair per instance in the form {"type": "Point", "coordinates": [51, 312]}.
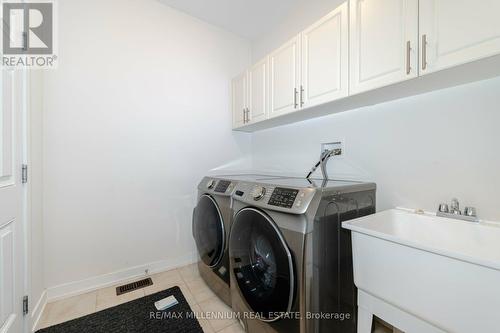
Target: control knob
{"type": "Point", "coordinates": [258, 192]}
{"type": "Point", "coordinates": [211, 184]}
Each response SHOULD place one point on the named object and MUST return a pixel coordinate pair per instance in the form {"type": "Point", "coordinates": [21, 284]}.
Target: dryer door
{"type": "Point", "coordinates": [208, 231]}
{"type": "Point", "coordinates": [262, 264]}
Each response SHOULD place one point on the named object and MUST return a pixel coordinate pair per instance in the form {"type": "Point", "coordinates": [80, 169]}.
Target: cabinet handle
{"type": "Point", "coordinates": [424, 52]}
{"type": "Point", "coordinates": [301, 96]}
{"type": "Point", "coordinates": [408, 58]}
{"type": "Point", "coordinates": [295, 92]}
{"type": "Point", "coordinates": [248, 115]}
{"type": "Point", "coordinates": [244, 116]}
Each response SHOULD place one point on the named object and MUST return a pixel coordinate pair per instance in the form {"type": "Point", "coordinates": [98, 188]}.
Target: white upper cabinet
{"type": "Point", "coordinates": [365, 45]}
{"type": "Point", "coordinates": [384, 42]}
{"type": "Point", "coordinates": [258, 91]}
{"type": "Point", "coordinates": [239, 99]}
{"type": "Point", "coordinates": [325, 58]}
{"type": "Point", "coordinates": [456, 32]}
{"type": "Point", "coordinates": [284, 78]}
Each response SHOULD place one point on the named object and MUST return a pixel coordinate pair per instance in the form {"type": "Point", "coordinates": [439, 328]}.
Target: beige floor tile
{"type": "Point", "coordinates": [171, 276]}
{"type": "Point", "coordinates": [107, 298]}
{"type": "Point", "coordinates": [68, 309]}
{"type": "Point", "coordinates": [200, 290]}
{"type": "Point", "coordinates": [189, 272]}
{"type": "Point", "coordinates": [165, 280]}
{"type": "Point", "coordinates": [234, 328]}
{"type": "Point", "coordinates": [222, 315]}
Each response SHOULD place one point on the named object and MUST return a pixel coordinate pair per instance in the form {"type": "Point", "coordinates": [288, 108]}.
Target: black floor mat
{"type": "Point", "coordinates": [138, 316]}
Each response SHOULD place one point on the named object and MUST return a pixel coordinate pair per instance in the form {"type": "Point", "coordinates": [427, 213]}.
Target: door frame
{"type": "Point", "coordinates": [25, 77]}
{"type": "Point", "coordinates": [33, 104]}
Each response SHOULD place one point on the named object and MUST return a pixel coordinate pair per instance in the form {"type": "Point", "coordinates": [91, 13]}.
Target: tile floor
{"type": "Point", "coordinates": [199, 296]}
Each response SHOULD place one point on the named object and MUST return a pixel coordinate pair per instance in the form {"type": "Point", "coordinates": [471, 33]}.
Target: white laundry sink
{"type": "Point", "coordinates": [423, 273]}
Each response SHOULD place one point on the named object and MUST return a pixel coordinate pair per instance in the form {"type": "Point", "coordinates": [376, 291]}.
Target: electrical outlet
{"type": "Point", "coordinates": [339, 144]}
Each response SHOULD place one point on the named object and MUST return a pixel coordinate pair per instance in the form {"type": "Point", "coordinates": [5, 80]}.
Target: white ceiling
{"type": "Point", "coordinates": [247, 18]}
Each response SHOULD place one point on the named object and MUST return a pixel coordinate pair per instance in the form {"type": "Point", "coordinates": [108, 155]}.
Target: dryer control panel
{"type": "Point", "coordinates": [221, 187]}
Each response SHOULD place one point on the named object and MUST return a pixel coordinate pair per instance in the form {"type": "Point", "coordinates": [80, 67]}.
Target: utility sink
{"type": "Point", "coordinates": [423, 273]}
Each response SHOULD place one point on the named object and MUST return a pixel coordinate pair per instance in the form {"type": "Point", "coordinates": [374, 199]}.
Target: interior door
{"type": "Point", "coordinates": [284, 78]}
{"type": "Point", "coordinates": [325, 58]}
{"type": "Point", "coordinates": [239, 99]}
{"type": "Point", "coordinates": [384, 43]}
{"type": "Point", "coordinates": [457, 32]}
{"type": "Point", "coordinates": [11, 224]}
{"type": "Point", "coordinates": [257, 91]}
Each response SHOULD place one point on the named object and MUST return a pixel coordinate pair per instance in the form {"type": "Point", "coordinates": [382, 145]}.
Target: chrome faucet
{"type": "Point", "coordinates": [455, 207]}
{"type": "Point", "coordinates": [323, 161]}
{"type": "Point", "coordinates": [469, 214]}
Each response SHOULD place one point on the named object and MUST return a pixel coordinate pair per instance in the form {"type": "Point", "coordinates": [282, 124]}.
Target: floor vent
{"type": "Point", "coordinates": [126, 288]}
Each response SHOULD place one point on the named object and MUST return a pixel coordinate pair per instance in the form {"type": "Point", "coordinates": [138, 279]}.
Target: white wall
{"type": "Point", "coordinates": [420, 150]}
{"type": "Point", "coordinates": [136, 114]}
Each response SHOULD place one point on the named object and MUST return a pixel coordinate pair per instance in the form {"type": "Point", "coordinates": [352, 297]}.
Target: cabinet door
{"type": "Point", "coordinates": [284, 78]}
{"type": "Point", "coordinates": [258, 91]}
{"type": "Point", "coordinates": [384, 42]}
{"type": "Point", "coordinates": [325, 59]}
{"type": "Point", "coordinates": [239, 99]}
{"type": "Point", "coordinates": [457, 32]}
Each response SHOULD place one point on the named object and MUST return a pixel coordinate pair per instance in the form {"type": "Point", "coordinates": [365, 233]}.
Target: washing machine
{"type": "Point", "coordinates": [290, 259]}
{"type": "Point", "coordinates": [212, 218]}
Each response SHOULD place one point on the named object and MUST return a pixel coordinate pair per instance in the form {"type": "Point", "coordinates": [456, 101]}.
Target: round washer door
{"type": "Point", "coordinates": [208, 231]}
{"type": "Point", "coordinates": [262, 264]}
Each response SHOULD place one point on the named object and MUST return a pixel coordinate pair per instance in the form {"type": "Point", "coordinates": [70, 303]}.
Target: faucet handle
{"type": "Point", "coordinates": [443, 208]}
{"type": "Point", "coordinates": [470, 211]}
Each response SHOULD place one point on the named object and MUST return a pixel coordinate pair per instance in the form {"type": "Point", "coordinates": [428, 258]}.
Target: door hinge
{"type": "Point", "coordinates": [24, 174]}
{"type": "Point", "coordinates": [25, 305]}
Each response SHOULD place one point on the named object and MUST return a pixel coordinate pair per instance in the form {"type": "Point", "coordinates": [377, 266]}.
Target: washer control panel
{"type": "Point", "coordinates": [267, 196]}
{"type": "Point", "coordinates": [283, 197]}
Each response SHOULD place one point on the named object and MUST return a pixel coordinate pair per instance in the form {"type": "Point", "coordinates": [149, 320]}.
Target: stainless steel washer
{"type": "Point", "coordinates": [290, 259]}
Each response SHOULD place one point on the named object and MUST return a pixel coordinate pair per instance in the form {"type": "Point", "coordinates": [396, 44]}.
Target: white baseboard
{"type": "Point", "coordinates": [37, 311]}
{"type": "Point", "coordinates": [102, 281]}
